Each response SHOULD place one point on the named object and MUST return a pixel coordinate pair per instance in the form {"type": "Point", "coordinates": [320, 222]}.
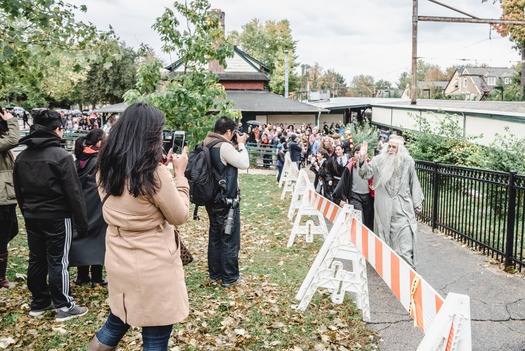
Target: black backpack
{"type": "Point", "coordinates": [201, 175]}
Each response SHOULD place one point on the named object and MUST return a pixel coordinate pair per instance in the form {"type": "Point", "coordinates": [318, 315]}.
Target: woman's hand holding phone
{"type": "Point", "coordinates": [179, 162]}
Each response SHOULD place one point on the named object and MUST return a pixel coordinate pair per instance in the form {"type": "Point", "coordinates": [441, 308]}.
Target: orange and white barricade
{"type": "Point", "coordinates": [313, 206]}
{"type": "Point", "coordinates": [446, 323]}
{"type": "Point", "coordinates": [298, 193]}
{"type": "Point", "coordinates": [338, 267]}
{"type": "Point", "coordinates": [291, 178]}
{"type": "Point", "coordinates": [286, 169]}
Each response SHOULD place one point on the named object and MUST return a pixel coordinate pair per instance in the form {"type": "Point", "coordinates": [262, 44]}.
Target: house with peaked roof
{"type": "Point", "coordinates": [476, 83]}
{"type": "Point", "coordinates": [245, 80]}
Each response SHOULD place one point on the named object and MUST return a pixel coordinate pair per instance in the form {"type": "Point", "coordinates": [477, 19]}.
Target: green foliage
{"type": "Point", "coordinates": [444, 142]}
{"type": "Point", "coordinates": [110, 78]}
{"type": "Point", "coordinates": [364, 131]}
{"type": "Point", "coordinates": [267, 43]}
{"type": "Point", "coordinates": [35, 37]}
{"type": "Point", "coordinates": [187, 98]}
{"type": "Point", "coordinates": [506, 153]}
{"type": "Point", "coordinates": [362, 85]}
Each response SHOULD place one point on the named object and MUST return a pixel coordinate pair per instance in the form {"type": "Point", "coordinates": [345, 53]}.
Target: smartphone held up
{"type": "Point", "coordinates": [175, 140]}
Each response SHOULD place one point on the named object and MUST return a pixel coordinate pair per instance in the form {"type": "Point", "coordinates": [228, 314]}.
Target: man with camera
{"type": "Point", "coordinates": [227, 157]}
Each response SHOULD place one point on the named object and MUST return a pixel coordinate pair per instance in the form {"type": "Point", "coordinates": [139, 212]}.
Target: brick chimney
{"type": "Point", "coordinates": [214, 66]}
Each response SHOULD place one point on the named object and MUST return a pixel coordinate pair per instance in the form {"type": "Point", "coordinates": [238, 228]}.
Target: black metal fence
{"type": "Point", "coordinates": [482, 208]}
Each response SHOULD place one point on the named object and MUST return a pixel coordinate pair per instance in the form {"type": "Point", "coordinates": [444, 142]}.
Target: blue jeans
{"type": "Point", "coordinates": [223, 249]}
{"type": "Point", "coordinates": [153, 338]}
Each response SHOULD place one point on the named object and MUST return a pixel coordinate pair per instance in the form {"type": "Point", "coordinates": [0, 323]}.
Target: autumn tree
{"type": "Point", "coordinates": [37, 38]}
{"type": "Point", "coordinates": [362, 85]}
{"type": "Point", "coordinates": [187, 98]}
{"type": "Point", "coordinates": [513, 10]}
{"type": "Point", "coordinates": [404, 81]}
{"type": "Point", "coordinates": [267, 42]}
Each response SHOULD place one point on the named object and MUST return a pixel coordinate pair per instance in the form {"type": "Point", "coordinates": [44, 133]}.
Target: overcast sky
{"type": "Point", "coordinates": [353, 37]}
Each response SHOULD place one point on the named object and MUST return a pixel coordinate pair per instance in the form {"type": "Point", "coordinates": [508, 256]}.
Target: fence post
{"type": "Point", "coordinates": [511, 216]}
{"type": "Point", "coordinates": [435, 199]}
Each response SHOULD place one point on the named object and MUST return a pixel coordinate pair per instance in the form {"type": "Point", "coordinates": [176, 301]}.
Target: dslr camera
{"type": "Point", "coordinates": [232, 204]}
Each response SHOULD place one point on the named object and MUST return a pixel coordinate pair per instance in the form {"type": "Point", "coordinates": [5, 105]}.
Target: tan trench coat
{"type": "Point", "coordinates": [144, 269]}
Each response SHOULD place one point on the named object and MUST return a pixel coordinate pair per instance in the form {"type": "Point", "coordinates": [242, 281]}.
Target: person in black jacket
{"type": "Point", "coordinates": [296, 151]}
{"type": "Point", "coordinates": [50, 197]}
{"type": "Point", "coordinates": [89, 250]}
{"type": "Point", "coordinates": [335, 167]}
{"type": "Point", "coordinates": [356, 191]}
{"type": "Point", "coordinates": [319, 169]}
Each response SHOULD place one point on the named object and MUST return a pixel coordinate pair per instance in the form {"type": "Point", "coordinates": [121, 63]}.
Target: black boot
{"type": "Point", "coordinates": [96, 276]}
{"type": "Point", "coordinates": [4, 283]}
{"type": "Point", "coordinates": [82, 275]}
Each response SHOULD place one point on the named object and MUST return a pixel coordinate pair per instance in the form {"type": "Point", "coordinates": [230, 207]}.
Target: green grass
{"type": "Point", "coordinates": [257, 316]}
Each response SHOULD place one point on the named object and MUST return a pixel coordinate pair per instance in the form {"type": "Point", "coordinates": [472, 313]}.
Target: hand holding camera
{"type": "Point", "coordinates": [238, 138]}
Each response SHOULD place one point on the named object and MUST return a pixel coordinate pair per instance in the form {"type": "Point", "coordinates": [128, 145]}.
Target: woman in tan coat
{"type": "Point", "coordinates": [141, 203]}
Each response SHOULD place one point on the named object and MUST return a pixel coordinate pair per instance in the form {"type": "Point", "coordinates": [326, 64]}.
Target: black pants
{"type": "Point", "coordinates": [365, 204]}
{"type": "Point", "coordinates": [223, 249]}
{"type": "Point", "coordinates": [47, 275]}
{"type": "Point", "coordinates": [8, 226]}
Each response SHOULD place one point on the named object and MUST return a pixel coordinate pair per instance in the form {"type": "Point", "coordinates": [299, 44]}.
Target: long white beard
{"type": "Point", "coordinates": [390, 166]}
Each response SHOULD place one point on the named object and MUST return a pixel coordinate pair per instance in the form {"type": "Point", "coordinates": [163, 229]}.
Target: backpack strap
{"type": "Point", "coordinates": [212, 143]}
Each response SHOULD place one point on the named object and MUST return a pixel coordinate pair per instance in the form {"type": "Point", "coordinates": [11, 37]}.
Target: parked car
{"type": "Point", "coordinates": [16, 111]}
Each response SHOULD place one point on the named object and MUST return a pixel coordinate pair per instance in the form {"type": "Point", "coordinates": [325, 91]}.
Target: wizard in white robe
{"type": "Point", "coordinates": [398, 196]}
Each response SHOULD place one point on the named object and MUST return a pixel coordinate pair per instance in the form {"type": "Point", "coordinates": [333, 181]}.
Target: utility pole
{"type": "Point", "coordinates": [472, 19]}
{"type": "Point", "coordinates": [413, 88]}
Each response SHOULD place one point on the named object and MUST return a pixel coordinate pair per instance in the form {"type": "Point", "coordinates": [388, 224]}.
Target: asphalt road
{"type": "Point", "coordinates": [497, 299]}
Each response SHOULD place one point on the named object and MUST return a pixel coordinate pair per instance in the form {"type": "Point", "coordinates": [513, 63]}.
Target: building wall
{"type": "Point", "coordinates": [331, 118]}
{"type": "Point", "coordinates": [242, 85]}
{"type": "Point", "coordinates": [472, 124]}
{"type": "Point", "coordinates": [238, 64]}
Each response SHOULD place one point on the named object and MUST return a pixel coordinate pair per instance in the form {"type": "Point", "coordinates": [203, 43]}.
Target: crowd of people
{"type": "Point", "coordinates": [117, 205]}
{"type": "Point", "coordinates": [114, 205]}
{"type": "Point", "coordinates": [385, 188]}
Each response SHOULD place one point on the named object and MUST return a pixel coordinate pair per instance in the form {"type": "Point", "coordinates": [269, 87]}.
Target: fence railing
{"type": "Point", "coordinates": [262, 155]}
{"type": "Point", "coordinates": [482, 208]}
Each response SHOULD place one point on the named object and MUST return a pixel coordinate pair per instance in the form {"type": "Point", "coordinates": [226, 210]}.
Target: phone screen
{"type": "Point", "coordinates": [179, 141]}
{"type": "Point", "coordinates": [167, 140]}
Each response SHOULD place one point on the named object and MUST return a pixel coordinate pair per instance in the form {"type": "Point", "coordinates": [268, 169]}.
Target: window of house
{"type": "Point", "coordinates": [491, 80]}
{"type": "Point", "coordinates": [456, 84]}
{"type": "Point", "coordinates": [464, 82]}
{"type": "Point", "coordinates": [507, 80]}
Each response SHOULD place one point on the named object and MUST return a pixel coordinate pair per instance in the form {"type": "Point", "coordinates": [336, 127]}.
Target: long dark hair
{"type": "Point", "coordinates": [132, 152]}
{"type": "Point", "coordinates": [91, 138]}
